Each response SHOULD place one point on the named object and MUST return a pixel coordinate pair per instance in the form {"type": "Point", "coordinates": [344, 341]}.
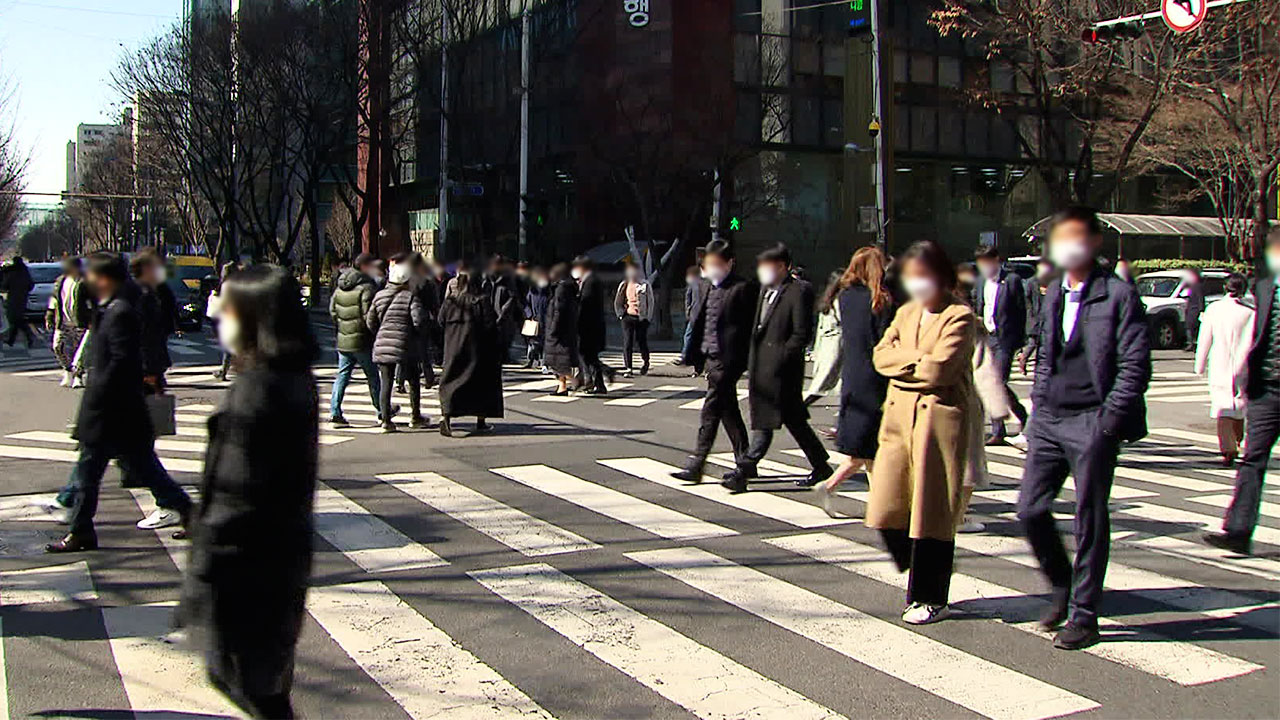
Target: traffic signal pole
{"type": "Point", "coordinates": [525, 73]}
{"type": "Point", "coordinates": [877, 90]}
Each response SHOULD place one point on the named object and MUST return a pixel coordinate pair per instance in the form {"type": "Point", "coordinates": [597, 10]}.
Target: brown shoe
{"type": "Point", "coordinates": [73, 543]}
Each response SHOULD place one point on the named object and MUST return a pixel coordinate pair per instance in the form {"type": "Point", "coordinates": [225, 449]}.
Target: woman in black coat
{"type": "Point", "coordinates": [866, 309]}
{"type": "Point", "coordinates": [246, 583]}
{"type": "Point", "coordinates": [471, 383]}
{"type": "Point", "coordinates": [560, 351]}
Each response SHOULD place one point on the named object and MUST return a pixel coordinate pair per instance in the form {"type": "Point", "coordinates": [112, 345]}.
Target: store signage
{"type": "Point", "coordinates": [637, 12]}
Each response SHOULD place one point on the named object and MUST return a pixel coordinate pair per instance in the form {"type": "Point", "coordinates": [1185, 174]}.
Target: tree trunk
{"type": "Point", "coordinates": [314, 230]}
{"type": "Point", "coordinates": [1261, 223]}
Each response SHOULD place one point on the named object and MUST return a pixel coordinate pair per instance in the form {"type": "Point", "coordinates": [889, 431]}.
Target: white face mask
{"type": "Point", "coordinates": [576, 273]}
{"type": "Point", "coordinates": [399, 274]}
{"type": "Point", "coordinates": [920, 289]}
{"type": "Point", "coordinates": [229, 333]}
{"type": "Point", "coordinates": [162, 274]}
{"type": "Point", "coordinates": [1070, 254]}
{"type": "Point", "coordinates": [767, 275]}
{"type": "Point", "coordinates": [717, 274]}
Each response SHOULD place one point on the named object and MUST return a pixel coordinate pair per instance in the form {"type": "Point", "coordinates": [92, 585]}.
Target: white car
{"type": "Point", "coordinates": [1164, 293]}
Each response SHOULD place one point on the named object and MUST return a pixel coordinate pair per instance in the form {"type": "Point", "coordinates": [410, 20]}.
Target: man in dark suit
{"type": "Point", "coordinates": [1036, 288]}
{"type": "Point", "coordinates": [1000, 302]}
{"type": "Point", "coordinates": [775, 374]}
{"type": "Point", "coordinates": [1092, 372]}
{"type": "Point", "coordinates": [113, 422]}
{"type": "Point", "coordinates": [1262, 414]}
{"type": "Point", "coordinates": [591, 324]}
{"type": "Point", "coordinates": [721, 344]}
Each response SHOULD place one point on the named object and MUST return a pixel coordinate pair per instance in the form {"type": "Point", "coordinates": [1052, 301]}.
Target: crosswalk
{"type": "Point", "coordinates": [1176, 387]}
{"type": "Point", "coordinates": [675, 598]}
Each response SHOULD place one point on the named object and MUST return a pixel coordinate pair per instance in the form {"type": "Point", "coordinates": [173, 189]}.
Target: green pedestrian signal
{"type": "Point", "coordinates": [735, 224]}
{"type": "Point", "coordinates": [856, 5]}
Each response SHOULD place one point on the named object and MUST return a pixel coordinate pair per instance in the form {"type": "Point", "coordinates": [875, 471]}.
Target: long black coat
{"type": "Point", "coordinates": [113, 412]}
{"type": "Point", "coordinates": [737, 320]}
{"type": "Point", "coordinates": [156, 328]}
{"type": "Point", "coordinates": [15, 281]}
{"type": "Point", "coordinates": [471, 383]}
{"type": "Point", "coordinates": [560, 329]}
{"type": "Point", "coordinates": [1264, 290]}
{"type": "Point", "coordinates": [591, 323]}
{"type": "Point", "coordinates": [862, 389]}
{"type": "Point", "coordinates": [776, 367]}
{"type": "Point", "coordinates": [251, 536]}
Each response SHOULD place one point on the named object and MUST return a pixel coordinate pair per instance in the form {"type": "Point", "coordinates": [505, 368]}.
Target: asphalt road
{"type": "Point", "coordinates": [551, 570]}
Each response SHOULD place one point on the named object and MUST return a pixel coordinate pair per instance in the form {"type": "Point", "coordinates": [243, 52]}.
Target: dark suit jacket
{"type": "Point", "coordinates": [591, 322]}
{"type": "Point", "coordinates": [776, 368]}
{"type": "Point", "coordinates": [112, 410]}
{"type": "Point", "coordinates": [1264, 290]}
{"type": "Point", "coordinates": [156, 327]}
{"type": "Point", "coordinates": [737, 321]}
{"type": "Point", "coordinates": [1114, 327]}
{"type": "Point", "coordinates": [1011, 309]}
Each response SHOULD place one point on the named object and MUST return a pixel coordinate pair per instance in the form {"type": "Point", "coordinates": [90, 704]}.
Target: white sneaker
{"type": "Point", "coordinates": [969, 527]}
{"type": "Point", "coordinates": [161, 518]}
{"type": "Point", "coordinates": [78, 383]}
{"type": "Point", "coordinates": [1018, 441]}
{"type": "Point", "coordinates": [921, 614]}
{"type": "Point", "coordinates": [66, 379]}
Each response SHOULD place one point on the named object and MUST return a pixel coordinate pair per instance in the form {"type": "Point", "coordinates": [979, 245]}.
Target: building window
{"type": "Point", "coordinates": [924, 129]}
{"type": "Point", "coordinates": [949, 71]}
{"type": "Point", "coordinates": [923, 69]}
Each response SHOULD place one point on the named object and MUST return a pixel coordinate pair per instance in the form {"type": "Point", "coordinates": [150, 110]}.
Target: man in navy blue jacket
{"type": "Point", "coordinates": [1092, 371]}
{"type": "Point", "coordinates": [1000, 302]}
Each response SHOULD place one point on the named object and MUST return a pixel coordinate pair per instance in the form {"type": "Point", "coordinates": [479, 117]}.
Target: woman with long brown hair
{"type": "Point", "coordinates": [866, 308]}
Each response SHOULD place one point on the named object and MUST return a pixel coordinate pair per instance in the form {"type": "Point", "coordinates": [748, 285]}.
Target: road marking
{"type": "Point", "coordinates": [70, 582]}
{"type": "Point", "coordinates": [70, 456]}
{"type": "Point", "coordinates": [45, 436]}
{"type": "Point", "coordinates": [562, 399]}
{"type": "Point", "coordinates": [956, 676]}
{"type": "Point", "coordinates": [1127, 473]}
{"type": "Point", "coordinates": [511, 527]}
{"type": "Point", "coordinates": [1269, 509]}
{"type": "Point", "coordinates": [784, 510]}
{"type": "Point", "coordinates": [1174, 592]}
{"type": "Point", "coordinates": [697, 404]}
{"type": "Point", "coordinates": [1203, 438]}
{"type": "Point", "coordinates": [1130, 645]}
{"type": "Point", "coordinates": [160, 678]}
{"type": "Point", "coordinates": [647, 516]}
{"type": "Point", "coordinates": [370, 543]}
{"type": "Point", "coordinates": [1118, 492]}
{"type": "Point", "coordinates": [1162, 513]}
{"type": "Point", "coordinates": [667, 392]}
{"type": "Point", "coordinates": [423, 669]}
{"type": "Point", "coordinates": [687, 673]}
{"type": "Point", "coordinates": [1197, 552]}
{"type": "Point", "coordinates": [535, 385]}
{"type": "Point", "coordinates": [766, 468]}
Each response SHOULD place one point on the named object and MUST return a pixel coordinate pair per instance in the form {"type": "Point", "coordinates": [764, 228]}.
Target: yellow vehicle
{"type": "Point", "coordinates": [191, 269]}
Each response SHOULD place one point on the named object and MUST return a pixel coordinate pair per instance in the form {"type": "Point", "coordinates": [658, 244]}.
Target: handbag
{"type": "Point", "coordinates": [163, 410]}
{"type": "Point", "coordinates": [531, 328]}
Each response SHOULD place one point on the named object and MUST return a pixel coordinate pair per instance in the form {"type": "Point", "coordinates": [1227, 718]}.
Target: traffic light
{"type": "Point", "coordinates": [1098, 34]}
{"type": "Point", "coordinates": [859, 17]}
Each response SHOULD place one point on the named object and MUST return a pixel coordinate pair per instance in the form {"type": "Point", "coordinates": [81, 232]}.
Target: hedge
{"type": "Point", "coordinates": [1146, 266]}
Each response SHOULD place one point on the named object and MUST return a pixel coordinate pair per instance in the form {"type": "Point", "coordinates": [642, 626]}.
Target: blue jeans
{"type": "Point", "coordinates": [685, 350]}
{"type": "Point", "coordinates": [139, 463]}
{"type": "Point", "coordinates": [347, 362]}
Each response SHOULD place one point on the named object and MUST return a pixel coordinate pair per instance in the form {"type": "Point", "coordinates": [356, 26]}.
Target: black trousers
{"type": "Point", "coordinates": [929, 562]}
{"type": "Point", "coordinates": [1003, 357]}
{"type": "Point", "coordinates": [1262, 428]}
{"type": "Point", "coordinates": [720, 407]}
{"type": "Point", "coordinates": [794, 420]}
{"type": "Point", "coordinates": [1058, 446]}
{"type": "Point", "coordinates": [592, 370]}
{"type": "Point", "coordinates": [387, 373]}
{"type": "Point", "coordinates": [17, 320]}
{"type": "Point", "coordinates": [635, 332]}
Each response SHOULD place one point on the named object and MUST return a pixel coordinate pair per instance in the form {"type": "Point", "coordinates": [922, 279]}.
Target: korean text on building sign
{"type": "Point", "coordinates": [637, 12]}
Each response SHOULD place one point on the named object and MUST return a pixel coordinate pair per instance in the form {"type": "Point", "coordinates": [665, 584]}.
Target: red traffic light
{"type": "Point", "coordinates": [1090, 36]}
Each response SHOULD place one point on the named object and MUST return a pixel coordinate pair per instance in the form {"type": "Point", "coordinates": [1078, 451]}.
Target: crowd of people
{"type": "Point", "coordinates": [922, 366]}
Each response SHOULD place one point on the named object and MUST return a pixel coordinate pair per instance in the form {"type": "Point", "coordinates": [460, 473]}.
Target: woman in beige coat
{"type": "Point", "coordinates": [918, 482]}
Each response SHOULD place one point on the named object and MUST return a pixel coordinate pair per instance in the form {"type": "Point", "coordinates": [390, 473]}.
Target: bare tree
{"type": "Point", "coordinates": [13, 166]}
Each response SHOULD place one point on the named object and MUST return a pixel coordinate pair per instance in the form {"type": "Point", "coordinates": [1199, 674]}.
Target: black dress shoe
{"type": "Point", "coordinates": [1076, 637]}
{"type": "Point", "coordinates": [1056, 613]}
{"type": "Point", "coordinates": [818, 475]}
{"type": "Point", "coordinates": [1237, 544]}
{"type": "Point", "coordinates": [735, 485]}
{"type": "Point", "coordinates": [743, 473]}
{"type": "Point", "coordinates": [692, 477]}
{"type": "Point", "coordinates": [482, 428]}
{"type": "Point", "coordinates": [73, 543]}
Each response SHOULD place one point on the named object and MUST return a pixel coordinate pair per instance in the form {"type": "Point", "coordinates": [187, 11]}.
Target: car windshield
{"type": "Point", "coordinates": [1161, 287]}
{"type": "Point", "coordinates": [44, 273]}
{"type": "Point", "coordinates": [191, 272]}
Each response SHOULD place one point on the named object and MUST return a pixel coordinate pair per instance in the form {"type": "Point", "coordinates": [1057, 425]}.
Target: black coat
{"type": "Point", "coordinates": [862, 389]}
{"type": "Point", "coordinates": [251, 535]}
{"type": "Point", "coordinates": [113, 412]}
{"type": "Point", "coordinates": [776, 366]}
{"type": "Point", "coordinates": [1114, 327]}
{"type": "Point", "coordinates": [737, 322]}
{"type": "Point", "coordinates": [1011, 309]}
{"type": "Point", "coordinates": [16, 282]}
{"type": "Point", "coordinates": [155, 332]}
{"type": "Point", "coordinates": [471, 383]}
{"type": "Point", "coordinates": [560, 329]}
{"type": "Point", "coordinates": [1264, 290]}
{"type": "Point", "coordinates": [1035, 308]}
{"type": "Point", "coordinates": [591, 321]}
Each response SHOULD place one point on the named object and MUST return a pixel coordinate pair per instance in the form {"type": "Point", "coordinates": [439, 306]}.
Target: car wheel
{"type": "Point", "coordinates": [1164, 333]}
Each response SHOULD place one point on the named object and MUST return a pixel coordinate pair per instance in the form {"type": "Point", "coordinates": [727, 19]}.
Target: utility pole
{"type": "Point", "coordinates": [442, 218]}
{"type": "Point", "coordinates": [526, 61]}
{"type": "Point", "coordinates": [877, 90]}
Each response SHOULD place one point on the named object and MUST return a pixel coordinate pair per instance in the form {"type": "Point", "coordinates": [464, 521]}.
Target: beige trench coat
{"type": "Point", "coordinates": [925, 437]}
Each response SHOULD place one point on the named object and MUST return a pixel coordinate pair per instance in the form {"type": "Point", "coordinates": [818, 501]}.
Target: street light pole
{"type": "Point", "coordinates": [877, 90]}
{"type": "Point", "coordinates": [526, 59]}
{"type": "Point", "coordinates": [442, 218]}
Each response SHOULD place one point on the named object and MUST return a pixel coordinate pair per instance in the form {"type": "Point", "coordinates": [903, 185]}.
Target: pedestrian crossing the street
{"type": "Point", "coordinates": [449, 592]}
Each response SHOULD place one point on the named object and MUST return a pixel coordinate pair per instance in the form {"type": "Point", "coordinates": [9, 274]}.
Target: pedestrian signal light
{"type": "Point", "coordinates": [735, 224]}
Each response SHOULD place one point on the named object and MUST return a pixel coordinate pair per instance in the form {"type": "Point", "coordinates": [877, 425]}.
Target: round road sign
{"type": "Point", "coordinates": [1183, 15]}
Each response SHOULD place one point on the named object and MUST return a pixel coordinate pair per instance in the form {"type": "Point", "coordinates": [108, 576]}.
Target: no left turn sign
{"type": "Point", "coordinates": [1183, 15]}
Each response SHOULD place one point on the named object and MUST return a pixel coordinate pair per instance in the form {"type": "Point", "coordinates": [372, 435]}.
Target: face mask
{"type": "Point", "coordinates": [1069, 254]}
{"type": "Point", "coordinates": [576, 273]}
{"type": "Point", "coordinates": [399, 274]}
{"type": "Point", "coordinates": [542, 283]}
{"type": "Point", "coordinates": [229, 333]}
{"type": "Point", "coordinates": [1273, 264]}
{"type": "Point", "coordinates": [768, 276]}
{"type": "Point", "coordinates": [162, 274]}
{"type": "Point", "coordinates": [716, 274]}
{"type": "Point", "coordinates": [920, 289]}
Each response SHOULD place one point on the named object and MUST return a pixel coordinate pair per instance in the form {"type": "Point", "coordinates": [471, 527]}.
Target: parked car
{"type": "Point", "coordinates": [191, 269]}
{"type": "Point", "coordinates": [1164, 293]}
{"type": "Point", "coordinates": [43, 275]}
{"type": "Point", "coordinates": [191, 304]}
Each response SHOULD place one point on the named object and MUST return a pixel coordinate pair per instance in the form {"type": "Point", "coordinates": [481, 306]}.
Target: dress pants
{"type": "Point", "coordinates": [1058, 446]}
{"type": "Point", "coordinates": [387, 377]}
{"type": "Point", "coordinates": [720, 406]}
{"type": "Point", "coordinates": [1003, 358]}
{"type": "Point", "coordinates": [593, 370]}
{"type": "Point", "coordinates": [1262, 428]}
{"type": "Point", "coordinates": [797, 424]}
{"type": "Point", "coordinates": [928, 560]}
{"type": "Point", "coordinates": [635, 333]}
{"type": "Point", "coordinates": [139, 463]}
